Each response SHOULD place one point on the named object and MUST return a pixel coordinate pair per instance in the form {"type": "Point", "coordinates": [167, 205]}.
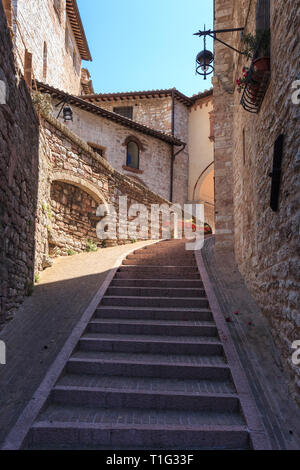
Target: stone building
{"type": "Point", "coordinates": [50, 52]}
{"type": "Point", "coordinates": [50, 42]}
{"type": "Point", "coordinates": [143, 144]}
{"type": "Point", "coordinates": [257, 213]}
{"type": "Point", "coordinates": [169, 116]}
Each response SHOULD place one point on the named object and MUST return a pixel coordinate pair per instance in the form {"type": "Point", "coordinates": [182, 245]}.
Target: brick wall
{"type": "Point", "coordinates": [18, 182]}
{"type": "Point", "coordinates": [266, 243]}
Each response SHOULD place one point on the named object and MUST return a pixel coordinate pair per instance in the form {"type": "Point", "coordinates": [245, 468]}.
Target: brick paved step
{"type": "Point", "coordinates": [164, 302]}
{"type": "Point", "coordinates": [149, 365]}
{"type": "Point", "coordinates": [155, 291]}
{"type": "Point", "coordinates": [143, 313]}
{"type": "Point", "coordinates": [149, 384]}
{"type": "Point", "coordinates": [151, 344]}
{"type": "Point", "coordinates": [152, 327]}
{"type": "Point", "coordinates": [158, 272]}
{"type": "Point", "coordinates": [158, 261]}
{"type": "Point", "coordinates": [165, 283]}
{"type": "Point", "coordinates": [161, 253]}
{"type": "Point", "coordinates": [110, 399]}
{"type": "Point", "coordinates": [136, 429]}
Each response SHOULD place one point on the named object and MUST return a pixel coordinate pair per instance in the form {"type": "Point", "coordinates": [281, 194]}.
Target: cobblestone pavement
{"type": "Point", "coordinates": [256, 349]}
{"type": "Point", "coordinates": [43, 323]}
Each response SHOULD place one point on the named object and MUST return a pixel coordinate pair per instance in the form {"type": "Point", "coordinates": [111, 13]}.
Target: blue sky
{"type": "Point", "coordinates": [145, 44]}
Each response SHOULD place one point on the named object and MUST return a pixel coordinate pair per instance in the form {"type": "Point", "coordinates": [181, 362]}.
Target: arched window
{"type": "Point", "coordinates": [133, 155]}
{"type": "Point", "coordinates": [45, 61]}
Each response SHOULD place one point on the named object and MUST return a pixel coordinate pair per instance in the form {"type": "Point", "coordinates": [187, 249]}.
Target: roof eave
{"type": "Point", "coordinates": [78, 29]}
{"type": "Point", "coordinates": [89, 107]}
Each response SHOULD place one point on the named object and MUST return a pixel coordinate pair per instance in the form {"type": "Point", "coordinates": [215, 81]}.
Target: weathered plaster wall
{"type": "Point", "coordinates": [18, 181]}
{"type": "Point", "coordinates": [38, 22]}
{"type": "Point", "coordinates": [201, 157]}
{"type": "Point", "coordinates": [155, 159]}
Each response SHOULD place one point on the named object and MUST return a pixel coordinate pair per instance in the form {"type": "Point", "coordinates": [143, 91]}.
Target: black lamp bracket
{"type": "Point", "coordinates": [213, 35]}
{"type": "Point", "coordinates": [63, 102]}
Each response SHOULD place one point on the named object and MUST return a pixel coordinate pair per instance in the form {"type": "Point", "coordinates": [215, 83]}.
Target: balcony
{"type": "Point", "coordinates": [258, 80]}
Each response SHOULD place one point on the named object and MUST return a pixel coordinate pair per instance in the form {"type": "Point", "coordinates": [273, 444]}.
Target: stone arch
{"type": "Point", "coordinates": [206, 176]}
{"type": "Point", "coordinates": [85, 185]}
{"type": "Point", "coordinates": [204, 193]}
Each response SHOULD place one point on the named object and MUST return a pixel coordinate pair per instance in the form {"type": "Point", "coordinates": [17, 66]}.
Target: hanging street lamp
{"type": "Point", "coordinates": [205, 58]}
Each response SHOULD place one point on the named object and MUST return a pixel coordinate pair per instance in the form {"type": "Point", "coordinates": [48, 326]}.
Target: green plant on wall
{"type": "Point", "coordinates": [91, 246]}
{"type": "Point", "coordinates": [71, 252]}
{"type": "Point", "coordinates": [257, 44]}
{"type": "Point", "coordinates": [42, 103]}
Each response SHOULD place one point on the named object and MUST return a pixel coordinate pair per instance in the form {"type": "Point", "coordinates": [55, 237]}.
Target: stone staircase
{"type": "Point", "coordinates": [150, 370]}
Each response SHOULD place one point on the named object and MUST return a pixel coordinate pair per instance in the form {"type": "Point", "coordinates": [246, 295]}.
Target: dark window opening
{"type": "Point", "coordinates": [262, 15]}
{"type": "Point", "coordinates": [125, 111]}
{"type": "Point", "coordinates": [45, 61]}
{"type": "Point", "coordinates": [133, 155]}
{"type": "Point", "coordinates": [57, 7]}
{"type": "Point", "coordinates": [98, 149]}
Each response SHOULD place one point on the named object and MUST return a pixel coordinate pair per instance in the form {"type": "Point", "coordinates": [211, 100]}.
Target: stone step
{"type": "Point", "coordinates": [158, 261]}
{"type": "Point", "coordinates": [155, 291]}
{"type": "Point", "coordinates": [151, 344]}
{"type": "Point", "coordinates": [149, 365]}
{"type": "Point", "coordinates": [158, 272]}
{"type": "Point", "coordinates": [165, 283]}
{"type": "Point", "coordinates": [161, 253]}
{"type": "Point", "coordinates": [151, 327]}
{"type": "Point", "coordinates": [149, 384]}
{"type": "Point", "coordinates": [75, 427]}
{"type": "Point", "coordinates": [110, 399]}
{"type": "Point", "coordinates": [164, 302]}
{"type": "Point", "coordinates": [144, 313]}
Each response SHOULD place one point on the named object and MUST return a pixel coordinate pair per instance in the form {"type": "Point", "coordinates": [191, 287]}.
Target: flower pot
{"type": "Point", "coordinates": [262, 64]}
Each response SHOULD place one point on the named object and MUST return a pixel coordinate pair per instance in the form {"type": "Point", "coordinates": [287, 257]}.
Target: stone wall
{"type": "Point", "coordinates": [266, 243]}
{"type": "Point", "coordinates": [152, 112]}
{"type": "Point", "coordinates": [74, 181]}
{"type": "Point", "coordinates": [223, 82]}
{"type": "Point", "coordinates": [39, 23]}
{"type": "Point", "coordinates": [18, 181]}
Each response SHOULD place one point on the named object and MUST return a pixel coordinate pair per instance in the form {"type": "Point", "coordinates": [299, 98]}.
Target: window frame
{"type": "Point", "coordinates": [124, 107]}
{"type": "Point", "coordinates": [128, 164]}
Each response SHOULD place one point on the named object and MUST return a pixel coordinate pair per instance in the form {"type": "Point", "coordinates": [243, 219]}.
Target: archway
{"type": "Point", "coordinates": [204, 193]}
{"type": "Point", "coordinates": [73, 220]}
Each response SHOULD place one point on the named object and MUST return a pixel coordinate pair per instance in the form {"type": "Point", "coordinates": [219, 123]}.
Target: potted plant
{"type": "Point", "coordinates": [257, 47]}
{"type": "Point", "coordinates": [242, 81]}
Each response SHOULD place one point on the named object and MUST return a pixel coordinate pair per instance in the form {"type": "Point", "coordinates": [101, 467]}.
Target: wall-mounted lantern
{"type": "Point", "coordinates": [205, 58]}
{"type": "Point", "coordinates": [65, 109]}
{"type": "Point", "coordinates": [68, 113]}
